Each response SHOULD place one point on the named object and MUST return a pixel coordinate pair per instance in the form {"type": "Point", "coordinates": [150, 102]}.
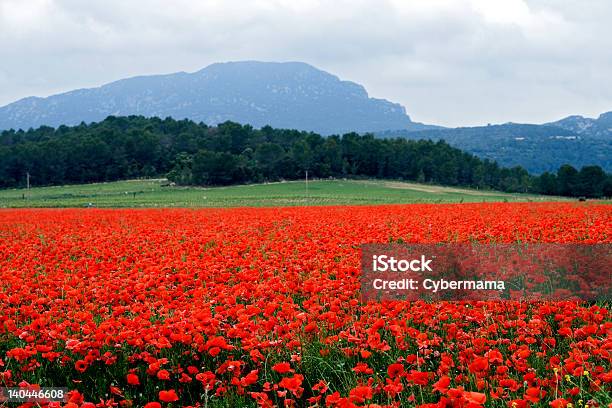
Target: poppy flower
{"type": "Point", "coordinates": [281, 368]}
{"type": "Point", "coordinates": [395, 370]}
{"type": "Point", "coordinates": [475, 397]}
{"type": "Point", "coordinates": [80, 366]}
{"type": "Point", "coordinates": [559, 403]}
{"type": "Point", "coordinates": [442, 384]}
{"type": "Point", "coordinates": [293, 384]}
{"type": "Point", "coordinates": [132, 379]}
{"type": "Point", "coordinates": [479, 365]}
{"type": "Point", "coordinates": [163, 375]}
{"type": "Point", "coordinates": [168, 396]}
{"type": "Point", "coordinates": [534, 394]}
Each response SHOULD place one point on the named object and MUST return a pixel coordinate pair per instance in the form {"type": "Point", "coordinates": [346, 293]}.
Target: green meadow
{"type": "Point", "coordinates": [157, 193]}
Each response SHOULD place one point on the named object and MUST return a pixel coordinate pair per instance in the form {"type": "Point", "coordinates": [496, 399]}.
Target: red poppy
{"type": "Point", "coordinates": [442, 384]}
{"type": "Point", "coordinates": [282, 368]}
{"type": "Point", "coordinates": [163, 375]}
{"type": "Point", "coordinates": [534, 394]}
{"type": "Point", "coordinates": [559, 403]}
{"type": "Point", "coordinates": [395, 370]}
{"type": "Point", "coordinates": [361, 394]}
{"type": "Point", "coordinates": [132, 379]}
{"type": "Point", "coordinates": [168, 396]}
{"type": "Point", "coordinates": [293, 384]}
{"type": "Point", "coordinates": [80, 366]}
{"type": "Point", "coordinates": [479, 365]}
{"type": "Point", "coordinates": [475, 397]}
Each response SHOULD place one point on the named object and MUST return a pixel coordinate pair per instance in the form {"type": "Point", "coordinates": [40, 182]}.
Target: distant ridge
{"type": "Point", "coordinates": [600, 127]}
{"type": "Point", "coordinates": [287, 95]}
{"type": "Point", "coordinates": [574, 140]}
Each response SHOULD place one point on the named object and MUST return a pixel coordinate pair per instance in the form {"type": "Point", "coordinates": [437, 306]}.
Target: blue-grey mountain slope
{"type": "Point", "coordinates": [284, 95]}
{"type": "Point", "coordinates": [538, 148]}
{"type": "Point", "coordinates": [600, 127]}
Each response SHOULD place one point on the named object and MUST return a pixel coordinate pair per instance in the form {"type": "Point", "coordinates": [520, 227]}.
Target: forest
{"type": "Point", "coordinates": [190, 153]}
{"type": "Point", "coordinates": [537, 148]}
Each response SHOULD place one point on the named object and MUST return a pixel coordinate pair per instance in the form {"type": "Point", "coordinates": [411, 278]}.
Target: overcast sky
{"type": "Point", "coordinates": [449, 62]}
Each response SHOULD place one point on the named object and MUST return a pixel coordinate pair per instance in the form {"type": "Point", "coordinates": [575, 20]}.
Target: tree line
{"type": "Point", "coordinates": [190, 153]}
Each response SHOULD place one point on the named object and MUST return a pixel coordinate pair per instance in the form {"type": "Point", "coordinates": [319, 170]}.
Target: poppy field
{"type": "Point", "coordinates": [260, 307]}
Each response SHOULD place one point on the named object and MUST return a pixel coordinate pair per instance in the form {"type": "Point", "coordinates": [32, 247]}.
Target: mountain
{"type": "Point", "coordinates": [600, 127]}
{"type": "Point", "coordinates": [286, 95]}
{"type": "Point", "coordinates": [538, 148]}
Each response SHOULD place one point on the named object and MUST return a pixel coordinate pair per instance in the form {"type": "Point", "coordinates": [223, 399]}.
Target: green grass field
{"type": "Point", "coordinates": [151, 193]}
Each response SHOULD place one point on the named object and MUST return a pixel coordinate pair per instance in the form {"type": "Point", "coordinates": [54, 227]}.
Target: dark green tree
{"type": "Point", "coordinates": [567, 178]}
{"type": "Point", "coordinates": [547, 184]}
{"type": "Point", "coordinates": [590, 182]}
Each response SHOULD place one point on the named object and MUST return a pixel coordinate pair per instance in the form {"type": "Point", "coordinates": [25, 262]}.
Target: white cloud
{"type": "Point", "coordinates": [504, 12]}
{"type": "Point", "coordinates": [452, 62]}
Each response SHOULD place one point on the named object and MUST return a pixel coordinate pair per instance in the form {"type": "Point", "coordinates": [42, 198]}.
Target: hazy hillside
{"type": "Point", "coordinates": [600, 127]}
{"type": "Point", "coordinates": [538, 148]}
{"type": "Point", "coordinates": [288, 95]}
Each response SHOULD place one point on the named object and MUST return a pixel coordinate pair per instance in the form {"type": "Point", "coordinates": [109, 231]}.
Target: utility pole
{"type": "Point", "coordinates": [307, 196]}
{"type": "Point", "coordinates": [28, 182]}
